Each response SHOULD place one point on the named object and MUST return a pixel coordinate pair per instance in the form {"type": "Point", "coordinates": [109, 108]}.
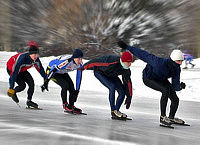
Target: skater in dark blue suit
{"type": "Point", "coordinates": [156, 74]}
{"type": "Point", "coordinates": [106, 70]}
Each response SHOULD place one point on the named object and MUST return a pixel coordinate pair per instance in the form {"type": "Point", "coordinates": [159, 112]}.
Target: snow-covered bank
{"type": "Point", "coordinates": [190, 76]}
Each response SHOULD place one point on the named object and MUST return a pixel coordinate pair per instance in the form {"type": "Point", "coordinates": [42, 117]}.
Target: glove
{"type": "Point", "coordinates": [122, 44]}
{"type": "Point", "coordinates": [44, 86]}
{"type": "Point", "coordinates": [128, 102]}
{"type": "Point", "coordinates": [11, 92]}
{"type": "Point", "coordinates": [182, 85]}
{"type": "Point", "coordinates": [76, 95]}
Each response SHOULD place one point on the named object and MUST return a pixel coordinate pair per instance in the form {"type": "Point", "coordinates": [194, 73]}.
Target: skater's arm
{"type": "Point", "coordinates": [78, 78]}
{"type": "Point", "coordinates": [17, 68]}
{"type": "Point", "coordinates": [145, 56]}
{"type": "Point", "coordinates": [127, 88]}
{"type": "Point", "coordinates": [40, 68]}
{"type": "Point", "coordinates": [101, 63]}
{"type": "Point", "coordinates": [176, 81]}
{"type": "Point", "coordinates": [127, 83]}
{"type": "Point", "coordinates": [62, 64]}
{"type": "Point", "coordinates": [92, 64]}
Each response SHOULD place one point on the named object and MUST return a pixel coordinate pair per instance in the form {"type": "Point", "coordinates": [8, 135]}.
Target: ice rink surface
{"type": "Point", "coordinates": [20, 126]}
{"type": "Point", "coordinates": [51, 126]}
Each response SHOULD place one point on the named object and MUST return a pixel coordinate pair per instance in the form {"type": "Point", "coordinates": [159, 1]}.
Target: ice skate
{"type": "Point", "coordinates": [123, 114]}
{"type": "Point", "coordinates": [193, 65]}
{"type": "Point", "coordinates": [78, 110]}
{"type": "Point", "coordinates": [185, 67]}
{"type": "Point", "coordinates": [67, 108]}
{"type": "Point", "coordinates": [32, 105]}
{"type": "Point", "coordinates": [178, 121]}
{"type": "Point", "coordinates": [165, 122]}
{"type": "Point", "coordinates": [119, 116]}
{"type": "Point", "coordinates": [15, 98]}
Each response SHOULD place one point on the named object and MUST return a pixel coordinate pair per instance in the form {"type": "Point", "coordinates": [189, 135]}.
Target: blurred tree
{"type": "Point", "coordinates": [59, 26]}
{"type": "Point", "coordinates": [5, 26]}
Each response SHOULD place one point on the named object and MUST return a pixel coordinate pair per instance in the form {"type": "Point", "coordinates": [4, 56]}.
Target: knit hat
{"type": "Point", "coordinates": [177, 55]}
{"type": "Point", "coordinates": [77, 53]}
{"type": "Point", "coordinates": [127, 57]}
{"type": "Point", "coordinates": [33, 50]}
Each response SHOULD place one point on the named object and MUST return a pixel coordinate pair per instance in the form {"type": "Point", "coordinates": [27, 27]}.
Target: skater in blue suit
{"type": "Point", "coordinates": [156, 74]}
{"type": "Point", "coordinates": [188, 60]}
{"type": "Point", "coordinates": [57, 70]}
{"type": "Point", "coordinates": [107, 69]}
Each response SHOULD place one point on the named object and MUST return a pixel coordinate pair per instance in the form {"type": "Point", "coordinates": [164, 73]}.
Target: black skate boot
{"type": "Point", "coordinates": [15, 98]}
{"type": "Point", "coordinates": [193, 65]}
{"type": "Point", "coordinates": [185, 67]}
{"type": "Point", "coordinates": [32, 105]}
{"type": "Point", "coordinates": [76, 110]}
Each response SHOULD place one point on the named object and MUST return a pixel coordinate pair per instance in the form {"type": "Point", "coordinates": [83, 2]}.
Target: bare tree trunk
{"type": "Point", "coordinates": [5, 32]}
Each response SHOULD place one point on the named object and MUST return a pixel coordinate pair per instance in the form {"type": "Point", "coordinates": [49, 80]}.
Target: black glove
{"type": "Point", "coordinates": [44, 86]}
{"type": "Point", "coordinates": [182, 85]}
{"type": "Point", "coordinates": [128, 102]}
{"type": "Point", "coordinates": [122, 44]}
{"type": "Point", "coordinates": [76, 95]}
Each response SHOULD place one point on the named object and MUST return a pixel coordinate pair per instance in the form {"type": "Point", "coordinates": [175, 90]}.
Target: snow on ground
{"type": "Point", "coordinates": [190, 76]}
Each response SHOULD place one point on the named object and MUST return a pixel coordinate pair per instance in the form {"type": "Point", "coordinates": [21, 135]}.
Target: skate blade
{"type": "Point", "coordinates": [69, 112]}
{"type": "Point", "coordinates": [34, 108]}
{"type": "Point", "coordinates": [82, 113]}
{"type": "Point", "coordinates": [184, 124]}
{"type": "Point", "coordinates": [18, 105]}
{"type": "Point", "coordinates": [123, 119]}
{"type": "Point", "coordinates": [167, 126]}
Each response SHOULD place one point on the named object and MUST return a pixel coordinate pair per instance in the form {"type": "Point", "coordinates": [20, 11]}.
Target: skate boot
{"type": "Point", "coordinates": [193, 65]}
{"type": "Point", "coordinates": [15, 98]}
{"type": "Point", "coordinates": [185, 67]}
{"type": "Point", "coordinates": [76, 110]}
{"type": "Point", "coordinates": [176, 120]}
{"type": "Point", "coordinates": [123, 114]}
{"type": "Point", "coordinates": [32, 105]}
{"type": "Point", "coordinates": [117, 115]}
{"type": "Point", "coordinates": [165, 120]}
{"type": "Point", "coordinates": [67, 107]}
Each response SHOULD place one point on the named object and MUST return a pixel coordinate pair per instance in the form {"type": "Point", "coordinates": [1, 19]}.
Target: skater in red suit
{"type": "Point", "coordinates": [17, 67]}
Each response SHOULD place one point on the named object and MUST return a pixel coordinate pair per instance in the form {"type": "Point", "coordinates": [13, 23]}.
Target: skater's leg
{"type": "Point", "coordinates": [107, 82]}
{"type": "Point", "coordinates": [120, 90]}
{"type": "Point", "coordinates": [64, 86]}
{"type": "Point", "coordinates": [71, 89]}
{"type": "Point", "coordinates": [20, 81]}
{"type": "Point", "coordinates": [174, 103]}
{"type": "Point", "coordinates": [29, 80]}
{"type": "Point", "coordinates": [164, 88]}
